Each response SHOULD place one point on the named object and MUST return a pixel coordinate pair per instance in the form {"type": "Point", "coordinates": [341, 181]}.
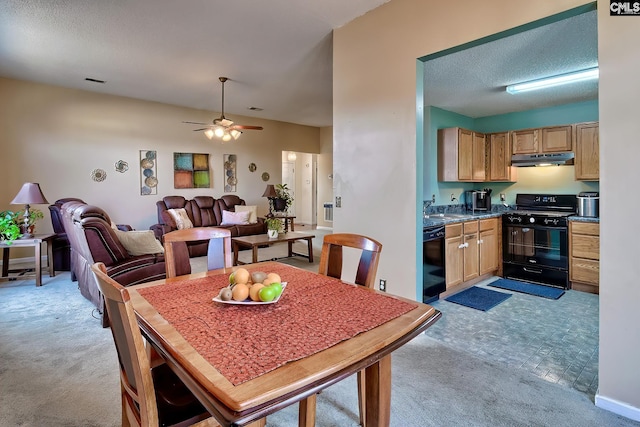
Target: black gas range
{"type": "Point", "coordinates": [535, 239]}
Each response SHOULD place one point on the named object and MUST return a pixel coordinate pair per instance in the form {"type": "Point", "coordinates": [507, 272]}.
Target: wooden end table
{"type": "Point", "coordinates": [255, 241]}
{"type": "Point", "coordinates": [286, 219]}
{"type": "Point", "coordinates": [35, 243]}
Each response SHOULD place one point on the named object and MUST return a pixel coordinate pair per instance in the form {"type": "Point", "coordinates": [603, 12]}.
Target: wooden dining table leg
{"type": "Point", "coordinates": [307, 412]}
{"type": "Point", "coordinates": [378, 393]}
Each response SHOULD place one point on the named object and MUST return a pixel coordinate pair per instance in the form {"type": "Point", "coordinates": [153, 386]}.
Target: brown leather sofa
{"type": "Point", "coordinates": [203, 211]}
{"type": "Point", "coordinates": [93, 240]}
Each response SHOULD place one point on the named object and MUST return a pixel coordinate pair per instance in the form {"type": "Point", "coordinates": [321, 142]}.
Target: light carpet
{"type": "Point", "coordinates": [58, 367]}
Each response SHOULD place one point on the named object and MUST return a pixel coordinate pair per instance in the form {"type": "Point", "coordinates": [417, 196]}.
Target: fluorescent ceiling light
{"type": "Point", "coordinates": [561, 79]}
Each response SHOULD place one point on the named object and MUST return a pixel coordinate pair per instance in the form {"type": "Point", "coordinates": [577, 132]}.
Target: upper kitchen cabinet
{"type": "Point", "coordinates": [555, 139]}
{"type": "Point", "coordinates": [587, 150]}
{"type": "Point", "coordinates": [498, 158]}
{"type": "Point", "coordinates": [461, 155]}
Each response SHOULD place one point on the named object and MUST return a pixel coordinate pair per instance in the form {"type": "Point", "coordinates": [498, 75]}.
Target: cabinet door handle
{"type": "Point", "coordinates": [480, 241]}
{"type": "Point", "coordinates": [461, 246]}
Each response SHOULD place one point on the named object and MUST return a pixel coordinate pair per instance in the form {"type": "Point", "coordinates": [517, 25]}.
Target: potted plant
{"type": "Point", "coordinates": [283, 201]}
{"type": "Point", "coordinates": [34, 215]}
{"type": "Point", "coordinates": [9, 229]}
{"type": "Point", "coordinates": [274, 225]}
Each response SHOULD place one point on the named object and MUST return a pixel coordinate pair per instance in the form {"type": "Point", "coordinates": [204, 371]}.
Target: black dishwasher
{"type": "Point", "coordinates": [433, 267]}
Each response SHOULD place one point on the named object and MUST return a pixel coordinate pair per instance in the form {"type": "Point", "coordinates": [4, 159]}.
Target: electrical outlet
{"type": "Point", "coordinates": [338, 202]}
{"type": "Point", "coordinates": [502, 197]}
{"type": "Point", "coordinates": [433, 198]}
{"type": "Point", "coordinates": [383, 285]}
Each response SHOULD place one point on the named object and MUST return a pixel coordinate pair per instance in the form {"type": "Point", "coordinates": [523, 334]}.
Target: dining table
{"type": "Point", "coordinates": [244, 360]}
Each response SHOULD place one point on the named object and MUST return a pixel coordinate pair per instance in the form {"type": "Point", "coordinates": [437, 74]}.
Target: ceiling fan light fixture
{"type": "Point", "coordinates": [552, 81]}
{"type": "Point", "coordinates": [226, 137]}
{"type": "Point", "coordinates": [209, 133]}
{"type": "Point", "coordinates": [235, 134]}
{"type": "Point", "coordinates": [218, 131]}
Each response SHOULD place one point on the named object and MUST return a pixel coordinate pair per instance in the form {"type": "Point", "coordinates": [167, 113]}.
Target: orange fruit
{"type": "Point", "coordinates": [240, 292]}
{"type": "Point", "coordinates": [242, 275]}
{"type": "Point", "coordinates": [254, 291]}
{"type": "Point", "coordinates": [273, 278]}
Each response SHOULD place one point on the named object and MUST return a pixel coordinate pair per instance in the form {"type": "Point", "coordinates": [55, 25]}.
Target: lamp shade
{"type": "Point", "coordinates": [270, 191]}
{"type": "Point", "coordinates": [30, 194]}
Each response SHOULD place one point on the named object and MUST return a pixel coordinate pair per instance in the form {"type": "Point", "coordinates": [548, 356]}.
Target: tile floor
{"type": "Point", "coordinates": [556, 340]}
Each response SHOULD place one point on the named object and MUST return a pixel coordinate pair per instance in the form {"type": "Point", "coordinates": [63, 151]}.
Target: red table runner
{"type": "Point", "coordinates": [244, 341]}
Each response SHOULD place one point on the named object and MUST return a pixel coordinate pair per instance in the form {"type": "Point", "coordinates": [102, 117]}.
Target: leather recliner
{"type": "Point", "coordinates": [60, 243]}
{"type": "Point", "coordinates": [93, 240]}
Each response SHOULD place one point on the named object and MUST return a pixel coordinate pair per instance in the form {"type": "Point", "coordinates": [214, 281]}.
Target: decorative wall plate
{"type": "Point", "coordinates": [121, 166]}
{"type": "Point", "coordinates": [252, 167]}
{"type": "Point", "coordinates": [151, 181]}
{"type": "Point", "coordinates": [98, 175]}
{"type": "Point", "coordinates": [146, 163]}
{"type": "Point", "coordinates": [265, 176]}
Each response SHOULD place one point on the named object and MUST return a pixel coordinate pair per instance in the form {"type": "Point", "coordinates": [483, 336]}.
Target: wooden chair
{"type": "Point", "coordinates": [150, 396]}
{"type": "Point", "coordinates": [331, 265]}
{"type": "Point", "coordinates": [176, 254]}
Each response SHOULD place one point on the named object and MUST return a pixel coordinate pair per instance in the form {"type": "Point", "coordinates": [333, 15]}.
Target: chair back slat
{"type": "Point", "coordinates": [176, 255]}
{"type": "Point", "coordinates": [331, 257]}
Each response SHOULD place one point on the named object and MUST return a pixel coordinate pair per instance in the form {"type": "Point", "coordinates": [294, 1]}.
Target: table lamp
{"type": "Point", "coordinates": [270, 193]}
{"type": "Point", "coordinates": [29, 194]}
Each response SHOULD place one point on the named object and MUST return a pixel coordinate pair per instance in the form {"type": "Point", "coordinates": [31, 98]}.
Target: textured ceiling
{"type": "Point", "coordinates": [277, 54]}
{"type": "Point", "coordinates": [472, 82]}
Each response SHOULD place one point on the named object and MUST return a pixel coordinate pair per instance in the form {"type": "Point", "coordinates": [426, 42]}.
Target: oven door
{"type": "Point", "coordinates": [536, 245]}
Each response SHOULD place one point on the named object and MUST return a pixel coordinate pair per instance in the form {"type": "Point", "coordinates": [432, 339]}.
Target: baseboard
{"type": "Point", "coordinates": [617, 407]}
{"type": "Point", "coordinates": [27, 260]}
{"type": "Point", "coordinates": [322, 227]}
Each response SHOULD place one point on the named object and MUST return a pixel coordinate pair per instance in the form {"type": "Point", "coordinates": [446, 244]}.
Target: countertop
{"type": "Point", "coordinates": [583, 219]}
{"type": "Point", "coordinates": [434, 219]}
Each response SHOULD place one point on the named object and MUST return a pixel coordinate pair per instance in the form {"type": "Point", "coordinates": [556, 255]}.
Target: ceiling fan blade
{"type": "Point", "coordinates": [197, 123]}
{"type": "Point", "coordinates": [198, 130]}
{"type": "Point", "coordinates": [246, 127]}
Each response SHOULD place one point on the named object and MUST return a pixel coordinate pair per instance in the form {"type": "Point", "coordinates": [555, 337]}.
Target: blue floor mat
{"type": "Point", "coordinates": [478, 298]}
{"type": "Point", "coordinates": [528, 288]}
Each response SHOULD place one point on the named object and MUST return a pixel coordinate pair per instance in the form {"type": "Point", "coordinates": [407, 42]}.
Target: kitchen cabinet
{"type": "Point", "coordinates": [555, 139]}
{"type": "Point", "coordinates": [584, 256]}
{"type": "Point", "coordinates": [488, 251]}
{"type": "Point", "coordinates": [453, 254]}
{"type": "Point", "coordinates": [587, 151]}
{"type": "Point", "coordinates": [498, 158]}
{"type": "Point", "coordinates": [461, 155]}
{"type": "Point", "coordinates": [471, 250]}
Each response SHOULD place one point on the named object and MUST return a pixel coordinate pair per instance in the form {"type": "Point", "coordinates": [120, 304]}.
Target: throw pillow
{"type": "Point", "coordinates": [141, 242]}
{"type": "Point", "coordinates": [181, 218]}
{"type": "Point", "coordinates": [235, 218]}
{"type": "Point", "coordinates": [253, 218]}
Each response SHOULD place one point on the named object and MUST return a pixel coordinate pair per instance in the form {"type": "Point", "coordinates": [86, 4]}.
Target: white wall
{"type": "Point", "coordinates": [57, 136]}
{"type": "Point", "coordinates": [375, 168]}
{"type": "Point", "coordinates": [619, 60]}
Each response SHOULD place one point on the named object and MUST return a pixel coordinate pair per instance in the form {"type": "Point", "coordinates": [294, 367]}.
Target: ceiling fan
{"type": "Point", "coordinates": [222, 127]}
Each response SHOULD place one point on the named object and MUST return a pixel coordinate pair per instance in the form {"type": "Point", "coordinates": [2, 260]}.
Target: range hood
{"type": "Point", "coordinates": [542, 159]}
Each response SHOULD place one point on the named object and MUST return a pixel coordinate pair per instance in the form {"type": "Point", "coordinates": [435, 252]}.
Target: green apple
{"type": "Point", "coordinates": [267, 294]}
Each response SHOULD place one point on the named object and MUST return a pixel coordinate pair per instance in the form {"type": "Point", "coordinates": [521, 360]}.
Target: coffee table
{"type": "Point", "coordinates": [260, 240]}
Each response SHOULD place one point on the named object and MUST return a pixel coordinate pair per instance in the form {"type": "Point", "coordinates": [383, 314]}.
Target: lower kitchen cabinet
{"type": "Point", "coordinates": [471, 250]}
{"type": "Point", "coordinates": [584, 256]}
{"type": "Point", "coordinates": [489, 256]}
{"type": "Point", "coordinates": [454, 254]}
